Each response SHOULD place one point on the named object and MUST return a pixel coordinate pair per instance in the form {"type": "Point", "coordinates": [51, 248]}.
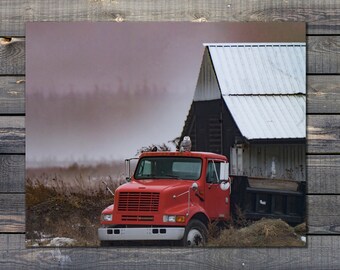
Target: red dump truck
{"type": "Point", "coordinates": [175, 195]}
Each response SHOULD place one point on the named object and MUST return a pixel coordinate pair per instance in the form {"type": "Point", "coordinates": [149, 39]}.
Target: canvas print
{"type": "Point", "coordinates": [166, 134]}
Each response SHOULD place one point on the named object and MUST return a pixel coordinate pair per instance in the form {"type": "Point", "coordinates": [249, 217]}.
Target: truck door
{"type": "Point", "coordinates": [216, 199]}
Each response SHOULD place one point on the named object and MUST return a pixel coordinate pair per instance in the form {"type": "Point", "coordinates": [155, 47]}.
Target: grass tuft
{"type": "Point", "coordinates": [262, 233]}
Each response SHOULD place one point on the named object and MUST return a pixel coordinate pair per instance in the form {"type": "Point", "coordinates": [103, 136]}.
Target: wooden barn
{"type": "Point", "coordinates": [250, 105]}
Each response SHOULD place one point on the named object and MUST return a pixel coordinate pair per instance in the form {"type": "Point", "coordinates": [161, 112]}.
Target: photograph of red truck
{"type": "Point", "coordinates": [165, 134]}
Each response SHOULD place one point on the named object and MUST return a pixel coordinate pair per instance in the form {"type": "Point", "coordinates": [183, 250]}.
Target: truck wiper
{"type": "Point", "coordinates": [172, 176]}
{"type": "Point", "coordinates": [146, 176]}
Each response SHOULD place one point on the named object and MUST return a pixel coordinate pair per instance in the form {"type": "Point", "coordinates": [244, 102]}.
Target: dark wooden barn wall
{"type": "Point", "coordinates": [211, 127]}
{"type": "Point", "coordinates": [323, 139]}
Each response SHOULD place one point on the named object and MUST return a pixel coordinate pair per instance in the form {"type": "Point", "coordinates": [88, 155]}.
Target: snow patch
{"type": "Point", "coordinates": [61, 241]}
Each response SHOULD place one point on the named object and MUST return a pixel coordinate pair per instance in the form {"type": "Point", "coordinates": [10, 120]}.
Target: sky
{"type": "Point", "coordinates": [101, 91]}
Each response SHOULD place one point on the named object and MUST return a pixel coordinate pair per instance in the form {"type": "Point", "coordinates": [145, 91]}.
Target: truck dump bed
{"type": "Point", "coordinates": [269, 198]}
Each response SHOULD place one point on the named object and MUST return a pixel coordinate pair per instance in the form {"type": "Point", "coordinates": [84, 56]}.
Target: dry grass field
{"type": "Point", "coordinates": [262, 233]}
{"type": "Point", "coordinates": [67, 203]}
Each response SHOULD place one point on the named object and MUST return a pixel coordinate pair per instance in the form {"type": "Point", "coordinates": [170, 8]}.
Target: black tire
{"type": "Point", "coordinates": [195, 235]}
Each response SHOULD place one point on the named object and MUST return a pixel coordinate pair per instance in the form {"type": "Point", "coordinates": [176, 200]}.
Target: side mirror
{"type": "Point", "coordinates": [224, 171]}
{"type": "Point", "coordinates": [225, 185]}
{"type": "Point", "coordinates": [128, 168]}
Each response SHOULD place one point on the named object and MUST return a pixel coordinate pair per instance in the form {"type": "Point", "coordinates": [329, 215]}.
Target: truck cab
{"type": "Point", "coordinates": [170, 196]}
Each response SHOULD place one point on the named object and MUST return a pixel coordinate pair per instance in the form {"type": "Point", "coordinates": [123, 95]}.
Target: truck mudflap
{"type": "Point", "coordinates": [152, 233]}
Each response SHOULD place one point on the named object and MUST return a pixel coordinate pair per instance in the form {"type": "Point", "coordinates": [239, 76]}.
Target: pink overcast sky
{"type": "Point", "coordinates": [84, 57]}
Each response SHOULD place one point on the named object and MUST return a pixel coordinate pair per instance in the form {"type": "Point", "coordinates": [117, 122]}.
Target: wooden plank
{"type": "Point", "coordinates": [12, 168]}
{"type": "Point", "coordinates": [323, 94]}
{"type": "Point", "coordinates": [12, 134]}
{"type": "Point", "coordinates": [323, 214]}
{"type": "Point", "coordinates": [323, 174]}
{"type": "Point", "coordinates": [323, 134]}
{"type": "Point", "coordinates": [322, 16]}
{"type": "Point", "coordinates": [12, 95]}
{"type": "Point", "coordinates": [12, 213]}
{"type": "Point", "coordinates": [12, 55]}
{"type": "Point", "coordinates": [323, 54]}
{"type": "Point", "coordinates": [322, 252]}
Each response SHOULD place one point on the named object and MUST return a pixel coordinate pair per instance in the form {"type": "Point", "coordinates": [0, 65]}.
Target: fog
{"type": "Point", "coordinates": [99, 126]}
{"type": "Point", "coordinates": [101, 91]}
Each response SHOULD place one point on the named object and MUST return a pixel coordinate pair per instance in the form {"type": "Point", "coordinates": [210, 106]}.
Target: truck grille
{"type": "Point", "coordinates": [138, 201]}
{"type": "Point", "coordinates": [137, 218]}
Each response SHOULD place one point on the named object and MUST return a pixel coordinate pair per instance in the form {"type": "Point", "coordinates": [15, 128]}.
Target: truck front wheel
{"type": "Point", "coordinates": [195, 234]}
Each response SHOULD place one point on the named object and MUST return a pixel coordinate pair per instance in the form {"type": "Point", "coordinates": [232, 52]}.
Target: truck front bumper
{"type": "Point", "coordinates": [154, 233]}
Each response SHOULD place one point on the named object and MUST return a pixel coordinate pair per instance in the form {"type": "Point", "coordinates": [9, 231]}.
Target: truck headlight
{"type": "Point", "coordinates": [173, 218]}
{"type": "Point", "coordinates": [167, 218]}
{"type": "Point", "coordinates": [107, 217]}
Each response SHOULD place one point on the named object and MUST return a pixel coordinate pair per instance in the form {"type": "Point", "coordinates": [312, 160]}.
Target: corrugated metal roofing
{"type": "Point", "coordinates": [269, 117]}
{"type": "Point", "coordinates": [260, 68]}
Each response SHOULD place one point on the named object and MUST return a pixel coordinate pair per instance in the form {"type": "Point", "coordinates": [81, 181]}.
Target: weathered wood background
{"type": "Point", "coordinates": [323, 157]}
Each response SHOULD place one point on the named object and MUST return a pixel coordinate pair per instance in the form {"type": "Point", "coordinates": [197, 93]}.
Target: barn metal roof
{"type": "Point", "coordinates": [263, 86]}
{"type": "Point", "coordinates": [269, 117]}
{"type": "Point", "coordinates": [260, 68]}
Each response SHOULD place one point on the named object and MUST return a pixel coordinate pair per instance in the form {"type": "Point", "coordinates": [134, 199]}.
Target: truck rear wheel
{"type": "Point", "coordinates": [195, 234]}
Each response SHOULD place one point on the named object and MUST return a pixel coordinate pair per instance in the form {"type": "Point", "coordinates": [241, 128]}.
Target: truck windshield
{"type": "Point", "coordinates": [183, 168]}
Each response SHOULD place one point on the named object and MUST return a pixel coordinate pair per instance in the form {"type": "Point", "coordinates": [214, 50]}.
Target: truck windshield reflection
{"type": "Point", "coordinates": [181, 168]}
